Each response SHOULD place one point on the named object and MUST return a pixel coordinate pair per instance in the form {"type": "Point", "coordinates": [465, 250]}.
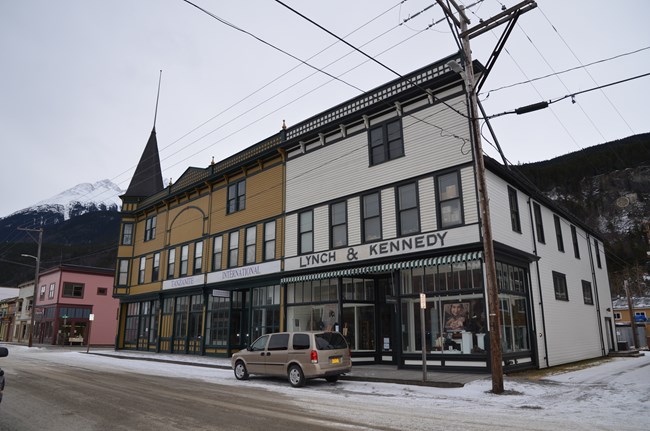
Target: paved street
{"type": "Point", "coordinates": [67, 389]}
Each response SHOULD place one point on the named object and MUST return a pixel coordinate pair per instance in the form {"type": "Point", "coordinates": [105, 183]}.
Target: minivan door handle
{"type": "Point", "coordinates": [268, 353]}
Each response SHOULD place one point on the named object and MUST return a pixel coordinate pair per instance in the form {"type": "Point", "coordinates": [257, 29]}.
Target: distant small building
{"type": "Point", "coordinates": [641, 309]}
{"type": "Point", "coordinates": [67, 295]}
{"type": "Point", "coordinates": [7, 317]}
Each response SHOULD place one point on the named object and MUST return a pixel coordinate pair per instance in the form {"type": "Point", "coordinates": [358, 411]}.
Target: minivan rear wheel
{"type": "Point", "coordinates": [296, 376]}
{"type": "Point", "coordinates": [241, 373]}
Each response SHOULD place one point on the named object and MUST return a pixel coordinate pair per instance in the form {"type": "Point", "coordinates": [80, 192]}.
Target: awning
{"type": "Point", "coordinates": [431, 261]}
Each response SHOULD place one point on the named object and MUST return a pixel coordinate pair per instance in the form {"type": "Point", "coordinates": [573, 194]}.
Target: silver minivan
{"type": "Point", "coordinates": [297, 355]}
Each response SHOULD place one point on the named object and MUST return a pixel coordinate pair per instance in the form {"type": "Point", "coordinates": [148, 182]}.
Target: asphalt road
{"type": "Point", "coordinates": [42, 395]}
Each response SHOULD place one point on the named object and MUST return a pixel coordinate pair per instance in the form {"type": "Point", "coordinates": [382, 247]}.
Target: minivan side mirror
{"type": "Point", "coordinates": [3, 352]}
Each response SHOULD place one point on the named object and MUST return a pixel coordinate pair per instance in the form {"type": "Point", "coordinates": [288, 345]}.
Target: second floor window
{"type": "Point", "coordinates": [269, 240]}
{"type": "Point", "coordinates": [558, 233]}
{"type": "Point", "coordinates": [50, 294]}
{"type": "Point", "coordinates": [450, 212]}
{"type": "Point", "coordinates": [587, 293]}
{"type": "Point", "coordinates": [155, 271]}
{"type": "Point", "coordinates": [539, 225]}
{"type": "Point", "coordinates": [73, 290]}
{"type": "Point", "coordinates": [514, 210]}
{"type": "Point", "coordinates": [306, 232]}
{"type": "Point", "coordinates": [338, 224]}
{"type": "Point", "coordinates": [237, 196]}
{"type": "Point", "coordinates": [42, 292]}
{"type": "Point", "coordinates": [386, 142]}
{"type": "Point", "coordinates": [171, 263]}
{"type": "Point", "coordinates": [371, 213]}
{"type": "Point", "coordinates": [150, 229]}
{"type": "Point", "coordinates": [217, 252]}
{"type": "Point", "coordinates": [198, 257]}
{"type": "Point", "coordinates": [408, 211]}
{"type": "Point", "coordinates": [597, 247]}
{"type": "Point", "coordinates": [574, 239]}
{"type": "Point", "coordinates": [123, 272]}
{"type": "Point", "coordinates": [233, 249]}
{"type": "Point", "coordinates": [141, 272]}
{"type": "Point", "coordinates": [127, 234]}
{"type": "Point", "coordinates": [185, 256]}
{"type": "Point", "coordinates": [251, 238]}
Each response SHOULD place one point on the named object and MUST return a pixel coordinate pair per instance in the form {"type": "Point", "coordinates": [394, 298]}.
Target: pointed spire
{"type": "Point", "coordinates": [147, 178]}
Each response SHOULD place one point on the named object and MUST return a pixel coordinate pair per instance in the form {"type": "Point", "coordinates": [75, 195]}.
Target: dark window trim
{"type": "Point", "coordinates": [217, 263]}
{"type": "Point", "coordinates": [587, 293]}
{"type": "Point", "coordinates": [558, 233]}
{"type": "Point", "coordinates": [184, 269]}
{"type": "Point", "coordinates": [248, 246]}
{"type": "Point", "coordinates": [302, 232]}
{"type": "Point", "coordinates": [150, 228]}
{"type": "Point", "coordinates": [171, 264]}
{"type": "Point", "coordinates": [513, 201]}
{"type": "Point", "coordinates": [364, 218]}
{"type": "Point", "coordinates": [385, 144]}
{"type": "Point", "coordinates": [76, 287]}
{"type": "Point", "coordinates": [333, 226]}
{"type": "Point", "coordinates": [231, 249]}
{"type": "Point", "coordinates": [129, 235]}
{"type": "Point", "coordinates": [236, 196]}
{"type": "Point", "coordinates": [440, 201]}
{"type": "Point", "coordinates": [267, 241]}
{"type": "Point", "coordinates": [539, 223]}
{"type": "Point", "coordinates": [402, 210]}
{"type": "Point", "coordinates": [597, 247]}
{"type": "Point", "coordinates": [574, 239]}
{"type": "Point", "coordinates": [198, 259]}
{"type": "Point", "coordinates": [155, 267]}
{"type": "Point", "coordinates": [142, 269]}
{"type": "Point", "coordinates": [559, 284]}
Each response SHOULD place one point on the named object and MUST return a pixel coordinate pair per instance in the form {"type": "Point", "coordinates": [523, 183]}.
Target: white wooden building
{"type": "Point", "coordinates": [381, 205]}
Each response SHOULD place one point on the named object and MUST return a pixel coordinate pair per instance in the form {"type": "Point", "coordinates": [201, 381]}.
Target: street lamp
{"type": "Point", "coordinates": [38, 262]}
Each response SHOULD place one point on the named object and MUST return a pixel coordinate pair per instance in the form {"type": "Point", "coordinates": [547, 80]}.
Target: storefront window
{"type": "Point", "coordinates": [451, 326]}
{"type": "Point", "coordinates": [131, 330]}
{"type": "Point", "coordinates": [217, 321]}
{"type": "Point", "coordinates": [358, 326]}
{"type": "Point", "coordinates": [514, 323]}
{"type": "Point", "coordinates": [266, 310]}
{"type": "Point", "coordinates": [319, 305]}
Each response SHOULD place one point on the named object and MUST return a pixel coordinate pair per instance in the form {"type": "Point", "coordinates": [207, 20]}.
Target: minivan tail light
{"type": "Point", "coordinates": [314, 357]}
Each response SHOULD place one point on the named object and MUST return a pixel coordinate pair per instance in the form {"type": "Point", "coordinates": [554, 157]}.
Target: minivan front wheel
{"type": "Point", "coordinates": [296, 376]}
{"type": "Point", "coordinates": [241, 373]}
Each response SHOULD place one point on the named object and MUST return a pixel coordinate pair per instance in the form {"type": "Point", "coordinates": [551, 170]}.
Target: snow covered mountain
{"type": "Point", "coordinates": [80, 199]}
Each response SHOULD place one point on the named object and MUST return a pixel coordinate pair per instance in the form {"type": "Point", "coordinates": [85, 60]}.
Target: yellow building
{"type": "Point", "coordinates": [199, 260]}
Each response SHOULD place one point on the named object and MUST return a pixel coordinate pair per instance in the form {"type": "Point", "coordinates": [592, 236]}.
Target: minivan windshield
{"type": "Point", "coordinates": [330, 341]}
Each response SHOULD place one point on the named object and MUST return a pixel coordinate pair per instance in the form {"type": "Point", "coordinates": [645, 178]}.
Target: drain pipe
{"type": "Point", "coordinates": [539, 281]}
{"type": "Point", "coordinates": [595, 293]}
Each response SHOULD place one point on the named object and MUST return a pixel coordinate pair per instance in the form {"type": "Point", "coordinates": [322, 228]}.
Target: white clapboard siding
{"type": "Point", "coordinates": [427, 204]}
{"type": "Point", "coordinates": [342, 168]}
{"type": "Point", "coordinates": [354, 221]}
{"type": "Point", "coordinates": [388, 214]}
{"type": "Point", "coordinates": [321, 228]}
{"type": "Point", "coordinates": [291, 235]}
{"type": "Point", "coordinates": [470, 204]}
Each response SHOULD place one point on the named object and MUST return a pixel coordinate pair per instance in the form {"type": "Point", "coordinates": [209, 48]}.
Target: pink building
{"type": "Point", "coordinates": [67, 297]}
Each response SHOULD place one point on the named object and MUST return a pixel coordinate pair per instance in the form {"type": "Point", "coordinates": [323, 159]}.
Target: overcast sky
{"type": "Point", "coordinates": [79, 78]}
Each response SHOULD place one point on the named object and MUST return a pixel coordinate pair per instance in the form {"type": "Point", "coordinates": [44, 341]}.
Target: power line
{"type": "Point", "coordinates": [564, 71]}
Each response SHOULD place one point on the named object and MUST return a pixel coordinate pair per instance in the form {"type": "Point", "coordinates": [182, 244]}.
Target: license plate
{"type": "Point", "coordinates": [336, 360]}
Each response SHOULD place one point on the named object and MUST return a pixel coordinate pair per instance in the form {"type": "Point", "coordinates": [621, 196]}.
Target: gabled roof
{"type": "Point", "coordinates": [147, 179]}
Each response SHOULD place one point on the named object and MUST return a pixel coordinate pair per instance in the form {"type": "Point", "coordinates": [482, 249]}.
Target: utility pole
{"type": "Point", "coordinates": [496, 356]}
{"type": "Point", "coordinates": [38, 263]}
{"type": "Point", "coordinates": [630, 305]}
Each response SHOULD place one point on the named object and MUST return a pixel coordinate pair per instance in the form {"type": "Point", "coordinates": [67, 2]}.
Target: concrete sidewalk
{"type": "Point", "coordinates": [366, 373]}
